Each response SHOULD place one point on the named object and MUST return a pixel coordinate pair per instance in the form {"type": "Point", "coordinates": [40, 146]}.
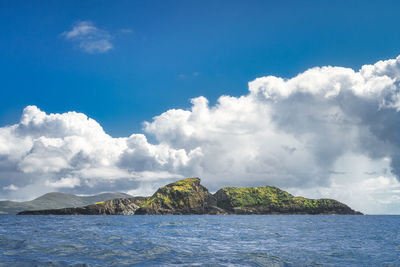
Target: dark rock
{"type": "Point", "coordinates": [119, 206]}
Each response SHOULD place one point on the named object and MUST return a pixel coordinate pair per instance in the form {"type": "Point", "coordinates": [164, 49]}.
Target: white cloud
{"type": "Point", "coordinates": [10, 187]}
{"type": "Point", "coordinates": [43, 151]}
{"type": "Point", "coordinates": [328, 132]}
{"type": "Point", "coordinates": [89, 38]}
{"type": "Point", "coordinates": [65, 182]}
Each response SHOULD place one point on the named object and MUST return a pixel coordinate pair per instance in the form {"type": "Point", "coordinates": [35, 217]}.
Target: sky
{"type": "Point", "coordinates": [126, 96]}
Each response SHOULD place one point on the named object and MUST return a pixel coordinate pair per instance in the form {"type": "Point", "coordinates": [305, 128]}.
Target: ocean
{"type": "Point", "coordinates": [210, 240]}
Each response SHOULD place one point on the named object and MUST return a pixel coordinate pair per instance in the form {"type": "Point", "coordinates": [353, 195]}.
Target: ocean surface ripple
{"type": "Point", "coordinates": [259, 240]}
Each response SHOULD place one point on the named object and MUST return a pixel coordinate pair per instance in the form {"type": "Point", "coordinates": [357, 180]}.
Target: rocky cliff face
{"type": "Point", "coordinates": [188, 196]}
{"type": "Point", "coordinates": [119, 206]}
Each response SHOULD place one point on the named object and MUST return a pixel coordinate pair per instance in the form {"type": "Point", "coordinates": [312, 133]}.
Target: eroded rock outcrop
{"type": "Point", "coordinates": [119, 206]}
{"type": "Point", "coordinates": [186, 196]}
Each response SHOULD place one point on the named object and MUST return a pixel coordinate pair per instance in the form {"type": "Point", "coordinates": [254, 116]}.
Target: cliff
{"type": "Point", "coordinates": [188, 196]}
{"type": "Point", "coordinates": [119, 206]}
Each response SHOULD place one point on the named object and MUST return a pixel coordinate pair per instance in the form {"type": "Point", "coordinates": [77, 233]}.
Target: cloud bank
{"type": "Point", "coordinates": [328, 132]}
{"type": "Point", "coordinates": [89, 38]}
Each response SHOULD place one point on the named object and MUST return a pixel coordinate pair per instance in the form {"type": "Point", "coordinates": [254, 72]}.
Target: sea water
{"type": "Point", "coordinates": [249, 240]}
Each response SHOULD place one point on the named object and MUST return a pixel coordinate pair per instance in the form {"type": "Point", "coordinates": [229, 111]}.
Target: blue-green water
{"type": "Point", "coordinates": [274, 240]}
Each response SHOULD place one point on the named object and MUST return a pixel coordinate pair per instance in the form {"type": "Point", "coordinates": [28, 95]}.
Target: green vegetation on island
{"type": "Point", "coordinates": [271, 200]}
{"type": "Point", "coordinates": [188, 196]}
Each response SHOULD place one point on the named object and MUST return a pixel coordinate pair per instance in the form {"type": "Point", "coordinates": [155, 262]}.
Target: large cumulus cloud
{"type": "Point", "coordinates": [328, 132]}
{"type": "Point", "coordinates": [47, 152]}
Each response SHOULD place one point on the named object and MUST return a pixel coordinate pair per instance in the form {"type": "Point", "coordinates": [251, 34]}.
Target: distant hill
{"type": "Point", "coordinates": [188, 196]}
{"type": "Point", "coordinates": [56, 200]}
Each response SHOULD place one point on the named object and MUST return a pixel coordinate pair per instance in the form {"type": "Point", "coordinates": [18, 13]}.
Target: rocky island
{"type": "Point", "coordinates": [188, 196]}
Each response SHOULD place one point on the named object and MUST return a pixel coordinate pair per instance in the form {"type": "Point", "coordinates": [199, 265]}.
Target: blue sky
{"type": "Point", "coordinates": [176, 50]}
{"type": "Point", "coordinates": [101, 96]}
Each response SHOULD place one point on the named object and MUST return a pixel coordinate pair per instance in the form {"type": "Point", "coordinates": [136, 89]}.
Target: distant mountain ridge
{"type": "Point", "coordinates": [56, 200]}
{"type": "Point", "coordinates": [188, 196]}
